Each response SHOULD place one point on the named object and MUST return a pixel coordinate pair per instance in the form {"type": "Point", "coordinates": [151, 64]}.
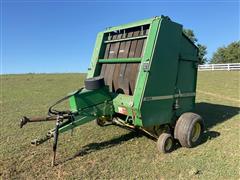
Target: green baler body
{"type": "Point", "coordinates": [150, 68]}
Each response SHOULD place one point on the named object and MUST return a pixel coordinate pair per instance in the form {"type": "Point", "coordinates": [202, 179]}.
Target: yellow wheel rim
{"type": "Point", "coordinates": [196, 132]}
{"type": "Point", "coordinates": [169, 144]}
{"type": "Point", "coordinates": [102, 120]}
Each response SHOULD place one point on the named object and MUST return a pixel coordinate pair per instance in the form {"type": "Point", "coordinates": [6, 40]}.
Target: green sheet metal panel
{"type": "Point", "coordinates": [143, 75]}
{"type": "Point", "coordinates": [123, 104]}
{"type": "Point", "coordinates": [94, 68]}
{"type": "Point", "coordinates": [162, 76]}
{"type": "Point", "coordinates": [188, 50]}
{"type": "Point", "coordinates": [187, 75]}
{"type": "Point", "coordinates": [87, 98]}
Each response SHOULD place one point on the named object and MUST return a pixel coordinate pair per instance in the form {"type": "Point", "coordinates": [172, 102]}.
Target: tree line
{"type": "Point", "coordinates": [224, 54]}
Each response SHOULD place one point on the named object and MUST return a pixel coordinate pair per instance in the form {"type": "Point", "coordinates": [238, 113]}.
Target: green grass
{"type": "Point", "coordinates": [111, 152]}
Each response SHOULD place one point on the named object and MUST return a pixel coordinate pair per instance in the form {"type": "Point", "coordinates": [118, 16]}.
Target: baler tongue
{"type": "Point", "coordinates": [87, 104]}
{"type": "Point", "coordinates": [50, 134]}
{"type": "Point", "coordinates": [24, 120]}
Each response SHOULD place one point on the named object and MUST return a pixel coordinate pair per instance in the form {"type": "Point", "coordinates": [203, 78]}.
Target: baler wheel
{"type": "Point", "coordinates": [188, 129]}
{"type": "Point", "coordinates": [100, 122]}
{"type": "Point", "coordinates": [103, 120]}
{"type": "Point", "coordinates": [165, 143]}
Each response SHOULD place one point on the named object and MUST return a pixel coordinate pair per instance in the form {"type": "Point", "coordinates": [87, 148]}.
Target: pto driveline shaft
{"type": "Point", "coordinates": [25, 119]}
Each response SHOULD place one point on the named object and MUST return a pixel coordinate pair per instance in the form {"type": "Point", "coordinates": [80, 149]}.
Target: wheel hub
{"type": "Point", "coordinates": [196, 132]}
{"type": "Point", "coordinates": [169, 144]}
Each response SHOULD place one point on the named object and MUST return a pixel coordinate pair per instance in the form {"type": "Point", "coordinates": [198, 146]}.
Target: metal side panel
{"type": "Point", "coordinates": [186, 82]}
{"type": "Point", "coordinates": [94, 67]}
{"type": "Point", "coordinates": [162, 76]}
{"type": "Point", "coordinates": [87, 98]}
{"type": "Point", "coordinates": [142, 75]}
{"type": "Point", "coordinates": [123, 104]}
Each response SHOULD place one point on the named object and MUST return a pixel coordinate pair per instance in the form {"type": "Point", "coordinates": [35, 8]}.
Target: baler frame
{"type": "Point", "coordinates": [157, 102]}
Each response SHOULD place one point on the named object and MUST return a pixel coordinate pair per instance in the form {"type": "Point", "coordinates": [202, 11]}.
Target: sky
{"type": "Point", "coordinates": [59, 36]}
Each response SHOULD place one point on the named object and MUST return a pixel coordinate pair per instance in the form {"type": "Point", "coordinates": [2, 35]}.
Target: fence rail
{"type": "Point", "coordinates": [219, 67]}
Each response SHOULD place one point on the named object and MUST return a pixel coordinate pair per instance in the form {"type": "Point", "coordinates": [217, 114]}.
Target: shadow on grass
{"type": "Point", "coordinates": [212, 114]}
{"type": "Point", "coordinates": [92, 147]}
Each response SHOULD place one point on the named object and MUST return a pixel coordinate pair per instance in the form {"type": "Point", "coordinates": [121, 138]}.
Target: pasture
{"type": "Point", "coordinates": [110, 152]}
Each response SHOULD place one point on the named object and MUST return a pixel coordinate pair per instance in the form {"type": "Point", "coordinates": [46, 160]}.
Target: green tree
{"type": "Point", "coordinates": [202, 48]}
{"type": "Point", "coordinates": [202, 53]}
{"type": "Point", "coordinates": [229, 54]}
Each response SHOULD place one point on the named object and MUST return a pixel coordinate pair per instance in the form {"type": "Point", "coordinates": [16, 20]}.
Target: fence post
{"type": "Point", "coordinates": [228, 67]}
{"type": "Point", "coordinates": [212, 67]}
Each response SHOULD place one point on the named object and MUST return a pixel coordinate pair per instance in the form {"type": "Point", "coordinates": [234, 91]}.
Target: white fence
{"type": "Point", "coordinates": [217, 67]}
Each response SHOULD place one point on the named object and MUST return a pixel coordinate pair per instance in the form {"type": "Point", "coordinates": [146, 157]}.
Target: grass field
{"type": "Point", "coordinates": [111, 152]}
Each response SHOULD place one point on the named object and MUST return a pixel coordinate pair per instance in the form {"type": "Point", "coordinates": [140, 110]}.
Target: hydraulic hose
{"type": "Point", "coordinates": [52, 111]}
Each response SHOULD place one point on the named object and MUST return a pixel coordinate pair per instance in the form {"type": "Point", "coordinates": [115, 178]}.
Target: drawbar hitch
{"type": "Point", "coordinates": [62, 118]}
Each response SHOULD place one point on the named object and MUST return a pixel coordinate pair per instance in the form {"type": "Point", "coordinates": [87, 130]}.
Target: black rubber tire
{"type": "Point", "coordinates": [184, 128]}
{"type": "Point", "coordinates": [94, 83]}
{"type": "Point", "coordinates": [162, 141]}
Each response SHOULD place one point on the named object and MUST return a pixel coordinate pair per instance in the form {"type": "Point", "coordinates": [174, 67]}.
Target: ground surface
{"type": "Point", "coordinates": [110, 152]}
